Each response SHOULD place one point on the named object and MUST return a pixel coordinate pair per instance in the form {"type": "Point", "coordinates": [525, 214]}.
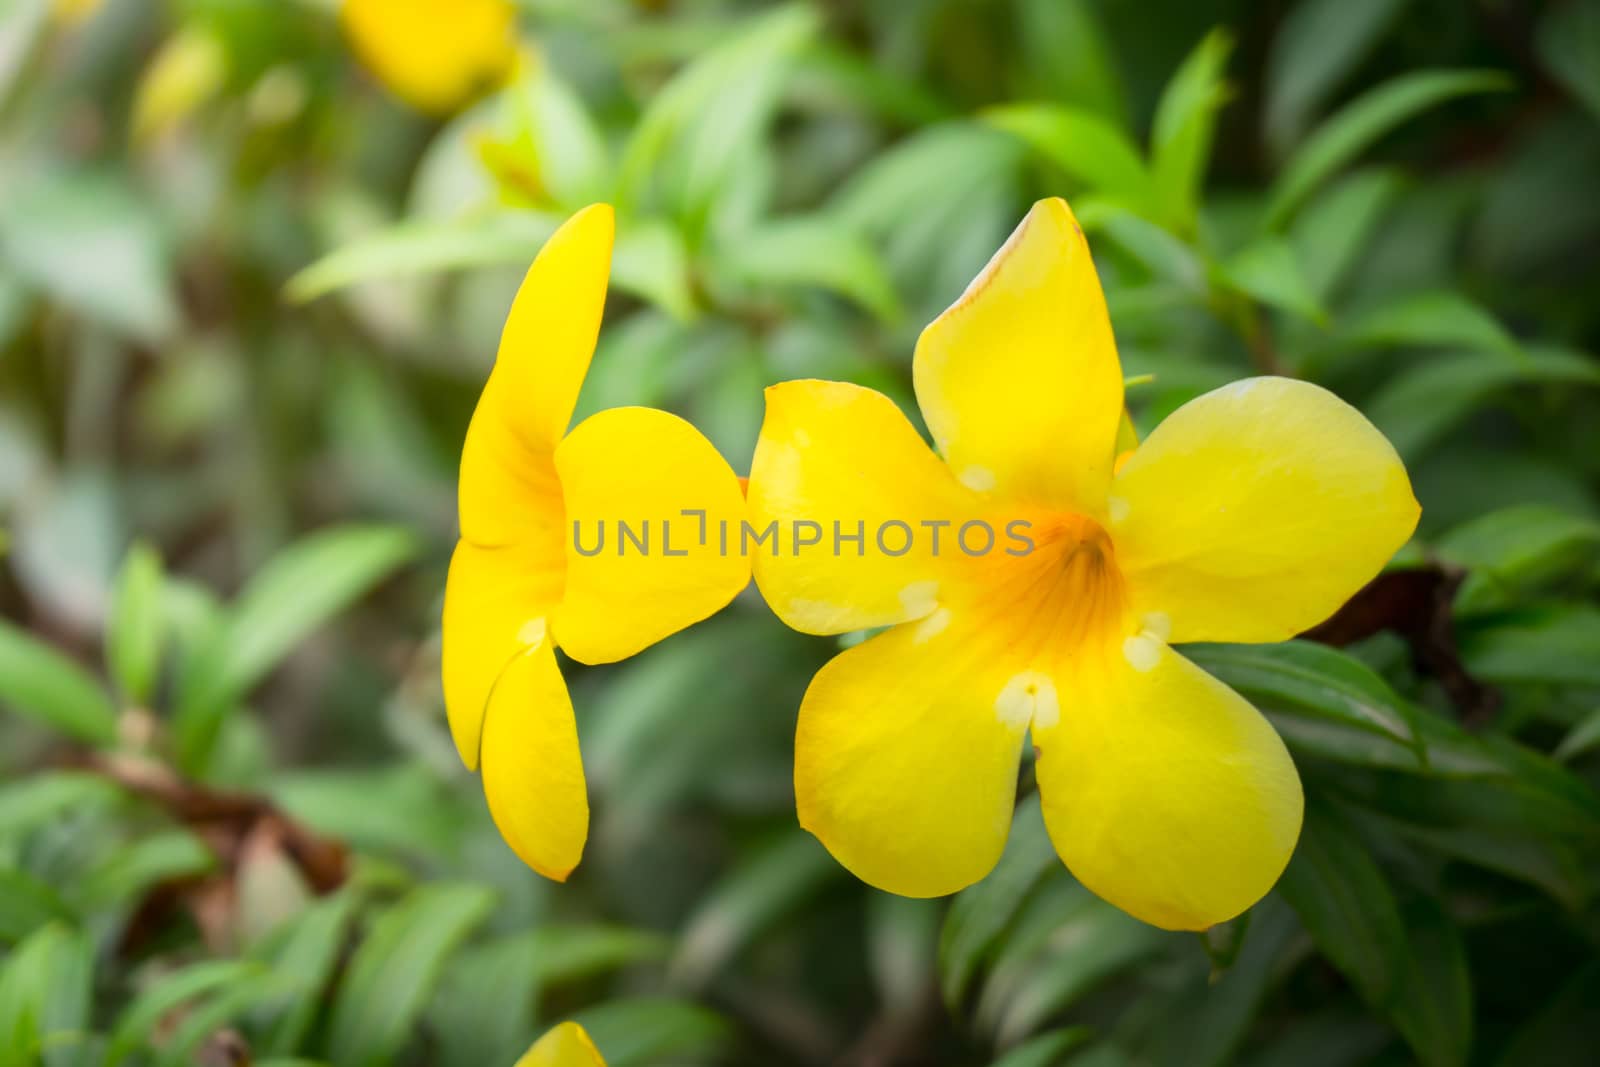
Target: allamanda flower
{"type": "Point", "coordinates": [566, 1045]}
{"type": "Point", "coordinates": [518, 587]}
{"type": "Point", "coordinates": [433, 54]}
{"type": "Point", "coordinates": [1248, 515]}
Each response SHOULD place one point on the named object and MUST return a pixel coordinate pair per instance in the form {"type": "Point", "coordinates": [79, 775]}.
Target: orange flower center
{"type": "Point", "coordinates": [1062, 599]}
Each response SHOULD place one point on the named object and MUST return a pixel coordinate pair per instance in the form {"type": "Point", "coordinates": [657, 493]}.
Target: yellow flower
{"type": "Point", "coordinates": [1248, 515]}
{"type": "Point", "coordinates": [75, 12]}
{"type": "Point", "coordinates": [434, 54]}
{"type": "Point", "coordinates": [518, 584]}
{"type": "Point", "coordinates": [566, 1045]}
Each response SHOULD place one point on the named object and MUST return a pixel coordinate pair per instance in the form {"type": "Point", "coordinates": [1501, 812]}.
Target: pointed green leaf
{"type": "Point", "coordinates": [1317, 46]}
{"type": "Point", "coordinates": [40, 683]}
{"type": "Point", "coordinates": [1357, 125]}
{"type": "Point", "coordinates": [137, 626]}
{"type": "Point", "coordinates": [394, 971]}
{"type": "Point", "coordinates": [1185, 121]}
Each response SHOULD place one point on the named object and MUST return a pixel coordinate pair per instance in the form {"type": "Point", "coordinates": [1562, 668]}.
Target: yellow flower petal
{"type": "Point", "coordinates": [1164, 791]}
{"type": "Point", "coordinates": [831, 452]}
{"type": "Point", "coordinates": [1254, 511]}
{"type": "Point", "coordinates": [1019, 380]}
{"type": "Point", "coordinates": [638, 567]}
{"type": "Point", "coordinates": [433, 54]}
{"type": "Point", "coordinates": [532, 772]}
{"type": "Point", "coordinates": [906, 758]}
{"type": "Point", "coordinates": [495, 604]}
{"type": "Point", "coordinates": [566, 1045]}
{"type": "Point", "coordinates": [508, 488]}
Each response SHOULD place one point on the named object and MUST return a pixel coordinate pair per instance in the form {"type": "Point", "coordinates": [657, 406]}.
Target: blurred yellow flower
{"type": "Point", "coordinates": [190, 67]}
{"type": "Point", "coordinates": [1249, 515]}
{"type": "Point", "coordinates": [518, 587]}
{"type": "Point", "coordinates": [73, 12]}
{"type": "Point", "coordinates": [566, 1045]}
{"type": "Point", "coordinates": [434, 54]}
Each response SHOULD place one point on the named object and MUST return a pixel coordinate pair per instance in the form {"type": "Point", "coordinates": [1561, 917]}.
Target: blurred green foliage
{"type": "Point", "coordinates": [246, 303]}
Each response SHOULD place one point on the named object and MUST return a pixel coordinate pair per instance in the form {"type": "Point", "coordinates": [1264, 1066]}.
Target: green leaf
{"type": "Point", "coordinates": [1516, 551]}
{"type": "Point", "coordinates": [704, 121]}
{"type": "Point", "coordinates": [1209, 1020]}
{"type": "Point", "coordinates": [44, 797]}
{"type": "Point", "coordinates": [1568, 42]}
{"type": "Point", "coordinates": [303, 957]}
{"type": "Point", "coordinates": [827, 69]}
{"type": "Point", "coordinates": [1434, 1010]}
{"type": "Point", "coordinates": [757, 894]}
{"type": "Point", "coordinates": [394, 971]}
{"type": "Point", "coordinates": [648, 261]}
{"type": "Point", "coordinates": [935, 204]}
{"type": "Point", "coordinates": [40, 683]}
{"type": "Point", "coordinates": [1544, 645]}
{"type": "Point", "coordinates": [1063, 943]}
{"type": "Point", "coordinates": [812, 251]}
{"type": "Point", "coordinates": [1317, 46]}
{"type": "Point", "coordinates": [1088, 946]}
{"type": "Point", "coordinates": [1323, 701]}
{"type": "Point", "coordinates": [1067, 56]}
{"type": "Point", "coordinates": [483, 1012]}
{"type": "Point", "coordinates": [67, 535]}
{"type": "Point", "coordinates": [485, 1008]}
{"type": "Point", "coordinates": [1516, 813]}
{"type": "Point", "coordinates": [296, 592]}
{"type": "Point", "coordinates": [573, 952]}
{"type": "Point", "coordinates": [229, 1005]}
{"type": "Point", "coordinates": [26, 904]}
{"type": "Point", "coordinates": [1185, 120]}
{"type": "Point", "coordinates": [1336, 887]}
{"type": "Point", "coordinates": [1269, 271]}
{"type": "Point", "coordinates": [136, 1024]}
{"type": "Point", "coordinates": [569, 153]}
{"type": "Point", "coordinates": [1423, 402]}
{"type": "Point", "coordinates": [651, 261]}
{"type": "Point", "coordinates": [124, 875]}
{"type": "Point", "coordinates": [1084, 145]}
{"type": "Point", "coordinates": [92, 244]}
{"type": "Point", "coordinates": [1167, 258]}
{"type": "Point", "coordinates": [403, 808]}
{"type": "Point", "coordinates": [1360, 123]}
{"type": "Point", "coordinates": [980, 915]}
{"type": "Point", "coordinates": [1046, 1050]}
{"type": "Point", "coordinates": [1580, 739]}
{"type": "Point", "coordinates": [137, 624]}
{"type": "Point", "coordinates": [639, 1031]}
{"type": "Point", "coordinates": [45, 988]}
{"type": "Point", "coordinates": [426, 246]}
{"type": "Point", "coordinates": [1335, 227]}
{"type": "Point", "coordinates": [1443, 318]}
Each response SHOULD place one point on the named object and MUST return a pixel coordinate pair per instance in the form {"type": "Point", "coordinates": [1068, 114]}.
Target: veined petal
{"type": "Point", "coordinates": [1254, 511]}
{"type": "Point", "coordinates": [906, 758]}
{"type": "Point", "coordinates": [1019, 380]}
{"type": "Point", "coordinates": [508, 486]}
{"type": "Point", "coordinates": [496, 601]}
{"type": "Point", "coordinates": [566, 1045]}
{"type": "Point", "coordinates": [532, 771]}
{"type": "Point", "coordinates": [638, 566]}
{"type": "Point", "coordinates": [833, 453]}
{"type": "Point", "coordinates": [433, 54]}
{"type": "Point", "coordinates": [1164, 791]}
